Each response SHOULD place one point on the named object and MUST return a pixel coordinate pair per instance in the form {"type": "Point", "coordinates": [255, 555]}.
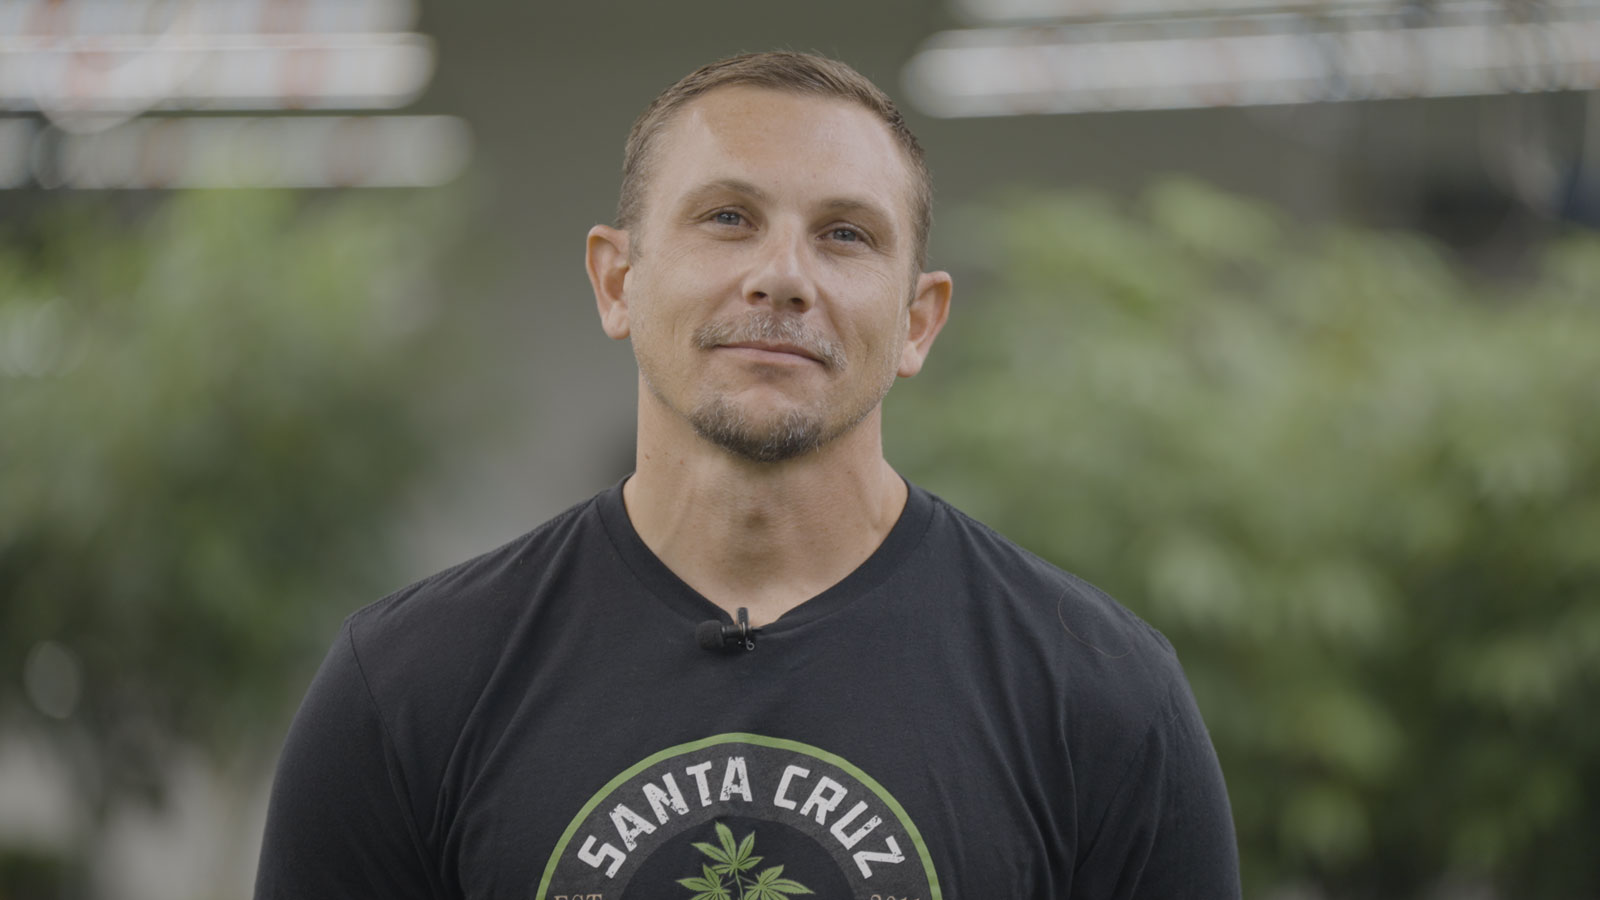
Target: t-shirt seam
{"type": "Point", "coordinates": [1162, 717]}
{"type": "Point", "coordinates": [1074, 581]}
{"type": "Point", "coordinates": [912, 543]}
{"type": "Point", "coordinates": [403, 790]}
{"type": "Point", "coordinates": [417, 587]}
{"type": "Point", "coordinates": [573, 511]}
{"type": "Point", "coordinates": [621, 554]}
{"type": "Point", "coordinates": [648, 582]}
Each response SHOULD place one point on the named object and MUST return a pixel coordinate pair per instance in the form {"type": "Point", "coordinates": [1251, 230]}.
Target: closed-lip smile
{"type": "Point", "coordinates": [774, 347]}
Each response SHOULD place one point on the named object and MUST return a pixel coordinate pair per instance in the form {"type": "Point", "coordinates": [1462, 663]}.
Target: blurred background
{"type": "Point", "coordinates": [1280, 321]}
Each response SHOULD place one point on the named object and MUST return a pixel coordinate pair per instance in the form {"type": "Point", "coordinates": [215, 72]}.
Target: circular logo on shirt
{"type": "Point", "coordinates": [741, 816]}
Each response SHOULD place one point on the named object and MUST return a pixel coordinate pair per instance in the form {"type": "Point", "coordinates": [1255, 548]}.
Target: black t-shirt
{"type": "Point", "coordinates": [956, 718]}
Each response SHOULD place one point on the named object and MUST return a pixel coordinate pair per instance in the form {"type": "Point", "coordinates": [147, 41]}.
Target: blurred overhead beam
{"type": "Point", "coordinates": [1075, 69]}
{"type": "Point", "coordinates": [239, 151]}
{"type": "Point", "coordinates": [130, 74]}
{"type": "Point", "coordinates": [45, 18]}
{"type": "Point", "coordinates": [94, 68]}
{"type": "Point", "coordinates": [1061, 11]}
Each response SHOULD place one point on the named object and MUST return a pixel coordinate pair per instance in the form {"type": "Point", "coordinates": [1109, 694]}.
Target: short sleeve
{"type": "Point", "coordinates": [1169, 830]}
{"type": "Point", "coordinates": [338, 821]}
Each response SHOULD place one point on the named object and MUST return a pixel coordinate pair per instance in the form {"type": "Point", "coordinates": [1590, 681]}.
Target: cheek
{"type": "Point", "coordinates": [654, 300]}
{"type": "Point", "coordinates": [877, 297]}
{"type": "Point", "coordinates": [879, 341]}
{"type": "Point", "coordinates": [888, 320]}
{"type": "Point", "coordinates": [695, 285]}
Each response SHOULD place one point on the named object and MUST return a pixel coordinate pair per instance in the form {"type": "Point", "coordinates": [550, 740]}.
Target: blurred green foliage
{"type": "Point", "coordinates": [30, 874]}
{"type": "Point", "coordinates": [1357, 488]}
{"type": "Point", "coordinates": [210, 413]}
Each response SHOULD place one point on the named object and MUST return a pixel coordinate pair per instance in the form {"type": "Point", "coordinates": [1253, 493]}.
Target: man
{"type": "Point", "coordinates": [763, 666]}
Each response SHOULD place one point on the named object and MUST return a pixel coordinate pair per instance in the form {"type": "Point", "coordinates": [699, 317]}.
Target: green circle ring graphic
{"type": "Point", "coordinates": [585, 814]}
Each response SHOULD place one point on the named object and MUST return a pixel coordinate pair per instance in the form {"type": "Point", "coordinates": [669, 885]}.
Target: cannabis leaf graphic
{"type": "Point", "coordinates": [710, 887]}
{"type": "Point", "coordinates": [732, 860]}
{"type": "Point", "coordinates": [769, 886]}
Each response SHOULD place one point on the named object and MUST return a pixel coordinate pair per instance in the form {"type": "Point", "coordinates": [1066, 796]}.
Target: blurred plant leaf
{"type": "Point", "coordinates": [1359, 491]}
{"type": "Point", "coordinates": [209, 416]}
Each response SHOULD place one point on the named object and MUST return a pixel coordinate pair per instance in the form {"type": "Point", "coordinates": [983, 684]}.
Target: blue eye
{"type": "Point", "coordinates": [727, 217]}
{"type": "Point", "coordinates": [845, 234]}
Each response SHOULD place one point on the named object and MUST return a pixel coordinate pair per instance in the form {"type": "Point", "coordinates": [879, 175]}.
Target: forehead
{"type": "Point", "coordinates": [791, 145]}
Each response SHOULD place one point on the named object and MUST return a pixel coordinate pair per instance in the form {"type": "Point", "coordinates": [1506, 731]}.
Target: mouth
{"type": "Point", "coordinates": [775, 348]}
{"type": "Point", "coordinates": [767, 339]}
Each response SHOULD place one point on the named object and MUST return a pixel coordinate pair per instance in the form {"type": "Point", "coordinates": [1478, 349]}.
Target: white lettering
{"type": "Point", "coordinates": [699, 773]}
{"type": "Point", "coordinates": [736, 780]}
{"type": "Point", "coordinates": [824, 805]}
{"type": "Point", "coordinates": [660, 799]}
{"type": "Point", "coordinates": [862, 857]}
{"type": "Point", "coordinates": [588, 854]}
{"type": "Point", "coordinates": [783, 786]}
{"type": "Point", "coordinates": [629, 826]}
{"type": "Point", "coordinates": [854, 837]}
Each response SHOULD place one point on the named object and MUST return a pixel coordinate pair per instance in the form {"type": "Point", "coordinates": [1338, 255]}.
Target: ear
{"type": "Point", "coordinates": [606, 258]}
{"type": "Point", "coordinates": [929, 308]}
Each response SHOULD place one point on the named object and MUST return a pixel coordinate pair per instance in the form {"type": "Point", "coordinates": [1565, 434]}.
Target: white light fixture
{"type": "Point", "coordinates": [250, 151]}
{"type": "Point", "coordinates": [1057, 11]}
{"type": "Point", "coordinates": [94, 68]}
{"type": "Point", "coordinates": [46, 18]}
{"type": "Point", "coordinates": [89, 64]}
{"type": "Point", "coordinates": [127, 75]}
{"type": "Point", "coordinates": [1010, 71]}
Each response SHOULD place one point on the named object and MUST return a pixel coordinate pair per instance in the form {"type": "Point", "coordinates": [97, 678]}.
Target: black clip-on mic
{"type": "Point", "coordinates": [714, 635]}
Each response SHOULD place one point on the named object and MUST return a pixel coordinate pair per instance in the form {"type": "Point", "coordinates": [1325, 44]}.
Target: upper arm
{"type": "Point", "coordinates": [339, 824]}
{"type": "Point", "coordinates": [1169, 829]}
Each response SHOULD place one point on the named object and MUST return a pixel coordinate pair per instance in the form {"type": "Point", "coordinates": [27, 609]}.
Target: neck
{"type": "Point", "coordinates": [766, 536]}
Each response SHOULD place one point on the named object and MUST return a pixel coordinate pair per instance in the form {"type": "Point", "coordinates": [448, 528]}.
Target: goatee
{"type": "Point", "coordinates": [722, 423]}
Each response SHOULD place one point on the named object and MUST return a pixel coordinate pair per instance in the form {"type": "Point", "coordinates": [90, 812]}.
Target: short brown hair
{"type": "Point", "coordinates": [780, 70]}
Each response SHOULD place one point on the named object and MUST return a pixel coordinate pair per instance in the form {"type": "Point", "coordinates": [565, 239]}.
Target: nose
{"type": "Point", "coordinates": [781, 274]}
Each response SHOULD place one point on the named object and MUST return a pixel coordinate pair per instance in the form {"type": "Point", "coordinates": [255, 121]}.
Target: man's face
{"type": "Point", "coordinates": [770, 274]}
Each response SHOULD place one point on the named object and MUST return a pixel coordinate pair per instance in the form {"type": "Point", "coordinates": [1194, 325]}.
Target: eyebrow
{"type": "Point", "coordinates": [724, 186]}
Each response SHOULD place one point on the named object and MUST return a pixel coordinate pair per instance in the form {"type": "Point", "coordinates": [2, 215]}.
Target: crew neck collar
{"type": "Point", "coordinates": [665, 585]}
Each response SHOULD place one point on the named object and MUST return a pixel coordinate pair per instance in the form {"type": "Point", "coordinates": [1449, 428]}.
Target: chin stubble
{"type": "Point", "coordinates": [792, 433]}
{"type": "Point", "coordinates": [724, 424]}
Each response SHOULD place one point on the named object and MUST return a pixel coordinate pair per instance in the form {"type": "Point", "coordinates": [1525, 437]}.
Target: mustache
{"type": "Point", "coordinates": [764, 326]}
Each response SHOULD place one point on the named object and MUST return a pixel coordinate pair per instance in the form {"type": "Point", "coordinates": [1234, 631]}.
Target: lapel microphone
{"type": "Point", "coordinates": [714, 634]}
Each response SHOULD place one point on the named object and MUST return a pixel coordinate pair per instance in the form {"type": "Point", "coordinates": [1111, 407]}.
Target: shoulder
{"type": "Point", "coordinates": [363, 765]}
{"type": "Point", "coordinates": [1105, 660]}
{"type": "Point", "coordinates": [1117, 712]}
{"type": "Point", "coordinates": [453, 623]}
{"type": "Point", "coordinates": [482, 585]}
